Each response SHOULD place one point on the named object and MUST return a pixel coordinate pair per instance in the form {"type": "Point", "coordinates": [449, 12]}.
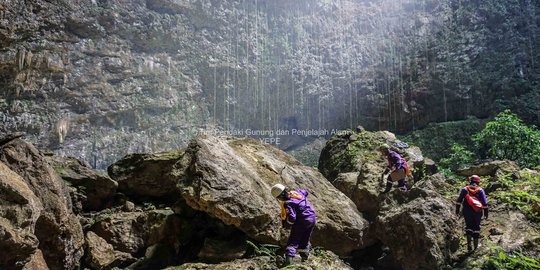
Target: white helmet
{"type": "Point", "coordinates": [277, 189]}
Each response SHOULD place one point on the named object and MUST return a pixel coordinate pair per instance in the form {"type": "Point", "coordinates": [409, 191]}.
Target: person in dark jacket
{"type": "Point", "coordinates": [397, 167]}
{"type": "Point", "coordinates": [473, 209]}
{"type": "Point", "coordinates": [298, 215]}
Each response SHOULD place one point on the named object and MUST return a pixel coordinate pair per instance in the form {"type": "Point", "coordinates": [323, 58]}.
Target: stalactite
{"type": "Point", "coordinates": [20, 56]}
{"type": "Point", "coordinates": [28, 59]}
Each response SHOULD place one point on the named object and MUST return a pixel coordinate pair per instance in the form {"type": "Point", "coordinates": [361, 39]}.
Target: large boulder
{"type": "Point", "coordinates": [354, 165]}
{"type": "Point", "coordinates": [57, 228]}
{"type": "Point", "coordinates": [95, 189]}
{"type": "Point", "coordinates": [132, 232]}
{"type": "Point", "coordinates": [99, 253]}
{"type": "Point", "coordinates": [148, 175]}
{"type": "Point", "coordinates": [37, 262]}
{"type": "Point", "coordinates": [230, 178]}
{"type": "Point", "coordinates": [354, 151]}
{"type": "Point", "coordinates": [491, 168]}
{"type": "Point", "coordinates": [19, 211]}
{"type": "Point", "coordinates": [419, 227]}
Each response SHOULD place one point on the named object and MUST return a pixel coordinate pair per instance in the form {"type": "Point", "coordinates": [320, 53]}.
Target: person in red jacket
{"type": "Point", "coordinates": [473, 199]}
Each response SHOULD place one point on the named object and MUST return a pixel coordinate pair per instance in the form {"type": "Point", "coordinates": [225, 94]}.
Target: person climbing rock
{"type": "Point", "coordinates": [298, 215]}
{"type": "Point", "coordinates": [397, 167]}
{"type": "Point", "coordinates": [474, 201]}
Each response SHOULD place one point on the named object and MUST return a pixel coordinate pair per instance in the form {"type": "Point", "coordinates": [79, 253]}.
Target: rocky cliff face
{"type": "Point", "coordinates": [99, 79]}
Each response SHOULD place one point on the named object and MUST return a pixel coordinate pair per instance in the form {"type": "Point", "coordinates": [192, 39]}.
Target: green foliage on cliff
{"type": "Point", "coordinates": [458, 157]}
{"type": "Point", "coordinates": [460, 143]}
{"type": "Point", "coordinates": [506, 137]}
{"type": "Point", "coordinates": [437, 140]}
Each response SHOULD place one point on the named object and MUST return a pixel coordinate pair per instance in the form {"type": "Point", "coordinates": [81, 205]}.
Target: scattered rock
{"type": "Point", "coordinates": [321, 259]}
{"type": "Point", "coordinates": [132, 232]}
{"type": "Point", "coordinates": [94, 190]}
{"type": "Point", "coordinates": [257, 263]}
{"type": "Point", "coordinates": [99, 253]}
{"type": "Point", "coordinates": [218, 250]}
{"type": "Point", "coordinates": [128, 206]}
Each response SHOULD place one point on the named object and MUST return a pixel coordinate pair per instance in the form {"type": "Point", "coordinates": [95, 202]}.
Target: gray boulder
{"type": "Point", "coordinates": [230, 179]}
{"type": "Point", "coordinates": [57, 228]}
{"type": "Point", "coordinates": [96, 189]}
{"type": "Point", "coordinates": [100, 254]}
{"type": "Point", "coordinates": [132, 232]}
{"type": "Point", "coordinates": [491, 168]}
{"type": "Point", "coordinates": [419, 227]}
{"type": "Point", "coordinates": [149, 175]}
{"type": "Point", "coordinates": [19, 212]}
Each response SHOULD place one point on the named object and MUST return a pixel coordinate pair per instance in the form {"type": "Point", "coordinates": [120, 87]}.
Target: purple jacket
{"type": "Point", "coordinates": [395, 161]}
{"type": "Point", "coordinates": [299, 209]}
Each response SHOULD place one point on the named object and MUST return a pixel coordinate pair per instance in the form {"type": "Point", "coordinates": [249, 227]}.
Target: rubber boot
{"type": "Point", "coordinates": [475, 243]}
{"type": "Point", "coordinates": [288, 260]}
{"type": "Point", "coordinates": [469, 244]}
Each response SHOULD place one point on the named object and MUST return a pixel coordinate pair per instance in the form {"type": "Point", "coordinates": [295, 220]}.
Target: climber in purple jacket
{"type": "Point", "coordinates": [472, 209]}
{"type": "Point", "coordinates": [298, 215]}
{"type": "Point", "coordinates": [397, 167]}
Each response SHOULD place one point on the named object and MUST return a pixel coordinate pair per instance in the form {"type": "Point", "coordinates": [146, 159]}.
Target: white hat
{"type": "Point", "coordinates": [277, 189]}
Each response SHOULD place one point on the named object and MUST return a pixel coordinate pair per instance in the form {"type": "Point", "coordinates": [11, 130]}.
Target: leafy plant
{"type": "Point", "coordinates": [524, 195]}
{"type": "Point", "coordinates": [506, 137]}
{"type": "Point", "coordinates": [458, 157]}
{"type": "Point", "coordinates": [262, 249]}
{"type": "Point", "coordinates": [514, 260]}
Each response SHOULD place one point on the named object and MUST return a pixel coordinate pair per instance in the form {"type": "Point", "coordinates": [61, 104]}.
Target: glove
{"type": "Point", "coordinates": [486, 213]}
{"type": "Point", "coordinates": [386, 170]}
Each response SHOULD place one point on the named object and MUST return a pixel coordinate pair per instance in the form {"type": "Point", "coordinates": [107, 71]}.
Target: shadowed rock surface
{"type": "Point", "coordinates": [149, 175]}
{"type": "Point", "coordinates": [94, 190]}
